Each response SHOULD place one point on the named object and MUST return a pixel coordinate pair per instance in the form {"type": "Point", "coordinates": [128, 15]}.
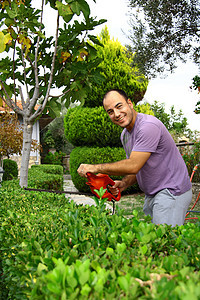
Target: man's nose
{"type": "Point", "coordinates": [116, 113]}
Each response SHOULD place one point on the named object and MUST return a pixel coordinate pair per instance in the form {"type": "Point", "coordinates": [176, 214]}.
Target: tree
{"type": "Point", "coordinates": [35, 63]}
{"type": "Point", "coordinates": [174, 121]}
{"type": "Point", "coordinates": [117, 71]}
{"type": "Point", "coordinates": [163, 32]}
{"type": "Point", "coordinates": [196, 86]}
{"type": "Point", "coordinates": [11, 136]}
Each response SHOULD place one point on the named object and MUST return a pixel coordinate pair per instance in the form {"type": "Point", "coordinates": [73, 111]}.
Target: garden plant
{"type": "Point", "coordinates": [51, 248]}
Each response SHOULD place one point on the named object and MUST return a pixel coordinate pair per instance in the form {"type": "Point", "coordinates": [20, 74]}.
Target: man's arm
{"type": "Point", "coordinates": [124, 167]}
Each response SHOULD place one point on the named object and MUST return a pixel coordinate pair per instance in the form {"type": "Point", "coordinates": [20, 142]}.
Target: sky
{"type": "Point", "coordinates": [172, 90]}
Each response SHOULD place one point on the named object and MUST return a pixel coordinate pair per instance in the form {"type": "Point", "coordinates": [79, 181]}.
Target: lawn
{"type": "Point", "coordinates": [136, 201]}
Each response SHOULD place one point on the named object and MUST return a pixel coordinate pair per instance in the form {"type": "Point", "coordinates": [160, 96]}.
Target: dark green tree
{"type": "Point", "coordinates": [164, 32]}
{"type": "Point", "coordinates": [117, 71]}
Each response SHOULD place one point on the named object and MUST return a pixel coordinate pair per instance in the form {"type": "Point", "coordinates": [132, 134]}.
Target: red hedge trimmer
{"type": "Point", "coordinates": [95, 182]}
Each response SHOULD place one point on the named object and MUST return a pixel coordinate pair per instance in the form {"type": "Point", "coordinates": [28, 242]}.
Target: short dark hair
{"type": "Point", "coordinates": [121, 92]}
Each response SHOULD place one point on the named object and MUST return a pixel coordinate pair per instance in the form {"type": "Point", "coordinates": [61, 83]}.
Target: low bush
{"type": "Point", "coordinates": [51, 248]}
{"type": "Point", "coordinates": [46, 177]}
{"type": "Point", "coordinates": [54, 158]}
{"type": "Point", "coordinates": [52, 169]}
{"type": "Point", "coordinates": [10, 169]}
{"type": "Point", "coordinates": [95, 155]}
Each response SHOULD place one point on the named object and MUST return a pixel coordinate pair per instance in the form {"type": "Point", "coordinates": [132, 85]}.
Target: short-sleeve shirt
{"type": "Point", "coordinates": [165, 168]}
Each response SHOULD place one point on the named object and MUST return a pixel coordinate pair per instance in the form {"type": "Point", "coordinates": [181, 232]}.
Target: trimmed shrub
{"type": "Point", "coordinates": [48, 177]}
{"type": "Point", "coordinates": [96, 155]}
{"type": "Point", "coordinates": [49, 169]}
{"type": "Point", "coordinates": [86, 126]}
{"type": "Point", "coordinates": [10, 169]}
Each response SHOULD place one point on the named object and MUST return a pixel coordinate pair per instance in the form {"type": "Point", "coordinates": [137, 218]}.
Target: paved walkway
{"type": "Point", "coordinates": [78, 199]}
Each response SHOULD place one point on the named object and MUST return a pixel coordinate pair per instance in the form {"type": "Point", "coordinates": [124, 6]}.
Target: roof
{"type": "Point", "coordinates": [5, 107]}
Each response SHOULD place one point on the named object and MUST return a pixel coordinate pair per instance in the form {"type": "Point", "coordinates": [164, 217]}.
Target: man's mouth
{"type": "Point", "coordinates": [121, 119]}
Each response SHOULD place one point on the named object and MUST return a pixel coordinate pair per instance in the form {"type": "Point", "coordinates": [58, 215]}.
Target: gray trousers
{"type": "Point", "coordinates": [165, 208]}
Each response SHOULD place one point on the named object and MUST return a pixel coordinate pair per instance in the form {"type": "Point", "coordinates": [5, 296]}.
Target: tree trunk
{"type": "Point", "coordinates": [27, 139]}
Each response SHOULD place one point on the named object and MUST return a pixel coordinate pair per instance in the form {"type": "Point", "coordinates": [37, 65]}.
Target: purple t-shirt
{"type": "Point", "coordinates": [165, 168]}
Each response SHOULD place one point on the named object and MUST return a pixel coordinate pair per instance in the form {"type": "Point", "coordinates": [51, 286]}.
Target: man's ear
{"type": "Point", "coordinates": [130, 103]}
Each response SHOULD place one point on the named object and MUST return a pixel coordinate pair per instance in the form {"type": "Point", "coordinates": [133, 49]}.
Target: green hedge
{"type": "Point", "coordinates": [51, 249]}
{"type": "Point", "coordinates": [86, 126]}
{"type": "Point", "coordinates": [94, 155]}
{"type": "Point", "coordinates": [10, 169]}
{"type": "Point", "coordinates": [47, 168]}
{"type": "Point", "coordinates": [46, 177]}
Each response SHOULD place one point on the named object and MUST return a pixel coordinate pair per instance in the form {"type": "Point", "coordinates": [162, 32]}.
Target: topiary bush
{"type": "Point", "coordinates": [95, 155]}
{"type": "Point", "coordinates": [10, 169]}
{"type": "Point", "coordinates": [86, 126]}
{"type": "Point", "coordinates": [91, 127]}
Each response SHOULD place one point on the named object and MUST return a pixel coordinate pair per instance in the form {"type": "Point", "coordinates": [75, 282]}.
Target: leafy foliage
{"type": "Point", "coordinates": [35, 62]}
{"type": "Point", "coordinates": [11, 135]}
{"type": "Point", "coordinates": [52, 249]}
{"type": "Point", "coordinates": [196, 86]}
{"type": "Point", "coordinates": [10, 169]}
{"type": "Point", "coordinates": [191, 156]}
{"type": "Point", "coordinates": [48, 177]}
{"type": "Point", "coordinates": [54, 158]}
{"type": "Point", "coordinates": [36, 52]}
{"type": "Point", "coordinates": [163, 32]}
{"type": "Point", "coordinates": [174, 121]}
{"type": "Point", "coordinates": [116, 68]}
{"type": "Point", "coordinates": [86, 126]}
{"type": "Point", "coordinates": [54, 137]}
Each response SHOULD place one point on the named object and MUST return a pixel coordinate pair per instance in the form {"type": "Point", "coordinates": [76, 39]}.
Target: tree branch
{"type": "Point", "coordinates": [41, 108]}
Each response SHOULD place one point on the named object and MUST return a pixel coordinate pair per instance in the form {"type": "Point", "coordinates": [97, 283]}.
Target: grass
{"type": "Point", "coordinates": [136, 201]}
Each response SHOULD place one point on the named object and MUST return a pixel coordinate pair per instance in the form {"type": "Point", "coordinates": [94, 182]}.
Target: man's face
{"type": "Point", "coordinates": [119, 110]}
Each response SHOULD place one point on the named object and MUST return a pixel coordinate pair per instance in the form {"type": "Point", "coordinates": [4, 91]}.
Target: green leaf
{"type": "Point", "coordinates": [143, 249]}
{"type": "Point", "coordinates": [121, 248]}
{"type": "Point", "coordinates": [54, 288]}
{"type": "Point", "coordinates": [75, 6]}
{"type": "Point", "coordinates": [123, 283]}
{"type": "Point", "coordinates": [41, 267]}
{"type": "Point", "coordinates": [109, 251]}
{"type": "Point", "coordinates": [84, 8]}
{"type": "Point", "coordinates": [65, 11]}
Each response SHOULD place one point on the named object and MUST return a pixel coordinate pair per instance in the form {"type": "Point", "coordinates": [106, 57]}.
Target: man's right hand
{"type": "Point", "coordinates": [114, 189]}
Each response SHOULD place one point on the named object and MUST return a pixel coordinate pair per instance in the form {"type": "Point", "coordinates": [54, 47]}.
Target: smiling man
{"type": "Point", "coordinates": [152, 160]}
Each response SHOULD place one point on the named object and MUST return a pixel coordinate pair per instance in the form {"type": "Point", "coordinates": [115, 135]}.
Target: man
{"type": "Point", "coordinates": [153, 160]}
